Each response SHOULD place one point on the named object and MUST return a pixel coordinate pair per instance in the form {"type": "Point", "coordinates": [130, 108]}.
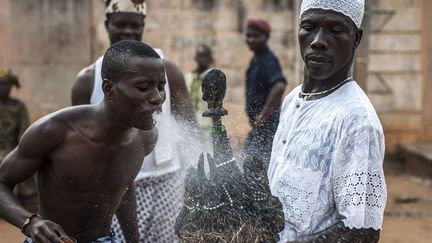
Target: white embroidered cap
{"type": "Point", "coordinates": [354, 9]}
{"type": "Point", "coordinates": [126, 6]}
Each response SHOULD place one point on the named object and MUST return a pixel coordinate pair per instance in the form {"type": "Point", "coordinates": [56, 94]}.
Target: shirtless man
{"type": "Point", "coordinates": [87, 156]}
{"type": "Point", "coordinates": [158, 185]}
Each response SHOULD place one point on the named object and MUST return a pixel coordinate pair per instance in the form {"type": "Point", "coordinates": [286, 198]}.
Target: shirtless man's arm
{"type": "Point", "coordinates": [83, 86]}
{"type": "Point", "coordinates": [37, 142]}
{"type": "Point", "coordinates": [127, 216]}
{"type": "Point", "coordinates": [181, 103]}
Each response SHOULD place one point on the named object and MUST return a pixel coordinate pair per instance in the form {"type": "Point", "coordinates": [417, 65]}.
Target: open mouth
{"type": "Point", "coordinates": [147, 116]}
{"type": "Point", "coordinates": [147, 120]}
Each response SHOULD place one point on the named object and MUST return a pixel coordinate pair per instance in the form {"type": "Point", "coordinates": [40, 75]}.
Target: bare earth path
{"type": "Point", "coordinates": [404, 223]}
{"type": "Point", "coordinates": [10, 234]}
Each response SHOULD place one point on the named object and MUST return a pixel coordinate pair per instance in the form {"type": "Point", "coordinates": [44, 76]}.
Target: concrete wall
{"type": "Point", "coordinates": [48, 41]}
{"type": "Point", "coordinates": [177, 27]}
{"type": "Point", "coordinates": [394, 78]}
{"type": "Point", "coordinates": [427, 71]}
{"type": "Point", "coordinates": [392, 66]}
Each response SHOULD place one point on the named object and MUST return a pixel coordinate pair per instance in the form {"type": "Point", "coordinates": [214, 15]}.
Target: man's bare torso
{"type": "Point", "coordinates": [83, 180]}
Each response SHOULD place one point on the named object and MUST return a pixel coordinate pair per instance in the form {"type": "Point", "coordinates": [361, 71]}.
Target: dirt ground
{"type": "Point", "coordinates": [406, 222]}
{"type": "Point", "coordinates": [409, 221]}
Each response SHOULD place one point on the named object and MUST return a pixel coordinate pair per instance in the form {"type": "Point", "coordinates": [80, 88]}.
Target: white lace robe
{"type": "Point", "coordinates": [326, 163]}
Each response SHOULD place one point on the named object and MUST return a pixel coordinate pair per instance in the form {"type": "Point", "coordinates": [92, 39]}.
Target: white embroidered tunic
{"type": "Point", "coordinates": [326, 162]}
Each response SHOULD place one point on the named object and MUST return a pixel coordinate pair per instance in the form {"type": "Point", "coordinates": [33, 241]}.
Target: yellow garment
{"type": "Point", "coordinates": [10, 76]}
{"type": "Point", "coordinates": [4, 74]}
{"type": "Point", "coordinates": [194, 82]}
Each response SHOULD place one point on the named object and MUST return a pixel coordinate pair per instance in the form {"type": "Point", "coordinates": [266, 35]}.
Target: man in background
{"type": "Point", "coordinates": [326, 163]}
{"type": "Point", "coordinates": [14, 120]}
{"type": "Point", "coordinates": [265, 85]}
{"type": "Point", "coordinates": [158, 184]}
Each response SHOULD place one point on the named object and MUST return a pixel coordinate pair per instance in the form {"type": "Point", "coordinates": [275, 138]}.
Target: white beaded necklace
{"type": "Point", "coordinates": [307, 95]}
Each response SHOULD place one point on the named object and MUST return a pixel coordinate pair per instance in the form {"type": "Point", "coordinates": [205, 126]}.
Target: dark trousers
{"type": "Point", "coordinates": [259, 143]}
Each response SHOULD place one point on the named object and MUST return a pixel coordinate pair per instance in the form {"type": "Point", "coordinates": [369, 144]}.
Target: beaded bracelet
{"type": "Point", "coordinates": [28, 221]}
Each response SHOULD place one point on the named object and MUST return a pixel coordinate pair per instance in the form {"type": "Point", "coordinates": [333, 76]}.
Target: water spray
{"type": "Point", "coordinates": [228, 205]}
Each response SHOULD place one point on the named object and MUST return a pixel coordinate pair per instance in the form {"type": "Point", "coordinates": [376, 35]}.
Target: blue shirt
{"type": "Point", "coordinates": [263, 72]}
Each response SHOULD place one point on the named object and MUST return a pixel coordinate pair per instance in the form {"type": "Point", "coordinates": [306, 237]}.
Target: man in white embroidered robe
{"type": "Point", "coordinates": [326, 162]}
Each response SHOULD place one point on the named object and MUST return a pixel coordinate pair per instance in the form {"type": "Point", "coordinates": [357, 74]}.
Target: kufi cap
{"type": "Point", "coordinates": [126, 6]}
{"type": "Point", "coordinates": [353, 9]}
{"type": "Point", "coordinates": [260, 24]}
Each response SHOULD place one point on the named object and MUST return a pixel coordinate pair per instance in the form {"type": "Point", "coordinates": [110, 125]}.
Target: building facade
{"type": "Point", "coordinates": [48, 41]}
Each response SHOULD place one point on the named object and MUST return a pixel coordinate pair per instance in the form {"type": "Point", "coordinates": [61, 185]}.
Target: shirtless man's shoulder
{"type": "Point", "coordinates": [83, 86]}
{"type": "Point", "coordinates": [72, 133]}
{"type": "Point", "coordinates": [85, 121]}
{"type": "Point", "coordinates": [87, 156]}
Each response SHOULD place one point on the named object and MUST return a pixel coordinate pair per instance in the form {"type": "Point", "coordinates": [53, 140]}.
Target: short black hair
{"type": "Point", "coordinates": [117, 56]}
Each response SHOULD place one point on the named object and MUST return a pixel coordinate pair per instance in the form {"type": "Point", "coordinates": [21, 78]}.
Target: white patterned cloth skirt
{"type": "Point", "coordinates": [159, 200]}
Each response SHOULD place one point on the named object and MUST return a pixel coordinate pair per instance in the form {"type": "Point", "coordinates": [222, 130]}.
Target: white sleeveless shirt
{"type": "Point", "coordinates": [161, 160]}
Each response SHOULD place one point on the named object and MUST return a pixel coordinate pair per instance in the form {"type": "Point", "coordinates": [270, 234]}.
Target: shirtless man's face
{"type": "Point", "coordinates": [139, 91]}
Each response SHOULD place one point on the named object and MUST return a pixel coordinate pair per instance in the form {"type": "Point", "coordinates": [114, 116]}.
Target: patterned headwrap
{"type": "Point", "coordinates": [126, 6]}
{"type": "Point", "coordinates": [10, 76]}
{"type": "Point", "coordinates": [260, 24]}
{"type": "Point", "coordinates": [353, 9]}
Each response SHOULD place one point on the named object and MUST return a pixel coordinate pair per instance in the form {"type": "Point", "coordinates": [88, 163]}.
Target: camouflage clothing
{"type": "Point", "coordinates": [14, 120]}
